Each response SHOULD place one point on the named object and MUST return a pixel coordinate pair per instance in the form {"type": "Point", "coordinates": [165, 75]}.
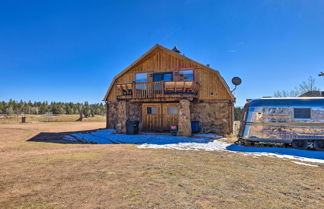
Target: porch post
{"type": "Point", "coordinates": [184, 126]}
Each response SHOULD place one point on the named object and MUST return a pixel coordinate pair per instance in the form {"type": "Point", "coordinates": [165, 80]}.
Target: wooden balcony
{"type": "Point", "coordinates": [157, 91]}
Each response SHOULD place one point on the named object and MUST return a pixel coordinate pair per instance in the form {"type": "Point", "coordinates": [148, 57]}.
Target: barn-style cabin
{"type": "Point", "coordinates": [164, 88]}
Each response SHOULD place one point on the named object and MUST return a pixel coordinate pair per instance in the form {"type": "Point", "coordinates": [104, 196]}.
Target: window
{"type": "Point", "coordinates": [186, 75]}
{"type": "Point", "coordinates": [172, 110]}
{"type": "Point", "coordinates": [162, 77]}
{"type": "Point", "coordinates": [168, 77]}
{"type": "Point", "coordinates": [157, 77]}
{"type": "Point", "coordinates": [302, 113]}
{"type": "Point", "coordinates": [151, 110]}
{"type": "Point", "coordinates": [140, 77]}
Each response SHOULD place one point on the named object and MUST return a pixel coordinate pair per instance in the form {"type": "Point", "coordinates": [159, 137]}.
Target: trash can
{"type": "Point", "coordinates": [195, 126]}
{"type": "Point", "coordinates": [174, 130]}
{"type": "Point", "coordinates": [132, 127]}
{"type": "Point", "coordinates": [23, 119]}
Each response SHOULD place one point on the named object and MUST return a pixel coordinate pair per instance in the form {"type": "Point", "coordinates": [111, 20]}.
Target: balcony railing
{"type": "Point", "coordinates": [160, 89]}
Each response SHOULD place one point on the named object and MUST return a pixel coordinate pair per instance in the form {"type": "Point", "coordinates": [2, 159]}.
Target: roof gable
{"type": "Point", "coordinates": [150, 53]}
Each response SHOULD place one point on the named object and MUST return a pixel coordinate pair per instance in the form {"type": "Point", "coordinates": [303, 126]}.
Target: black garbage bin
{"type": "Point", "coordinates": [132, 127]}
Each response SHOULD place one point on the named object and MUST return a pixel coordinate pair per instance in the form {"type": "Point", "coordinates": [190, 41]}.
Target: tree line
{"type": "Point", "coordinates": [38, 108]}
{"type": "Point", "coordinates": [238, 113]}
{"type": "Point", "coordinates": [302, 88]}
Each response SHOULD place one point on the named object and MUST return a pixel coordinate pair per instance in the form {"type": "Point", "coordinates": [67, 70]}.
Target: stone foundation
{"type": "Point", "coordinates": [134, 112]}
{"type": "Point", "coordinates": [184, 125]}
{"type": "Point", "coordinates": [121, 111]}
{"type": "Point", "coordinates": [117, 116]}
{"type": "Point", "coordinates": [214, 117]}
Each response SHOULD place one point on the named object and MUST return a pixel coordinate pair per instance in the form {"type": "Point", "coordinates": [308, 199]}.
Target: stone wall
{"type": "Point", "coordinates": [184, 125]}
{"type": "Point", "coordinates": [121, 111]}
{"type": "Point", "coordinates": [214, 117]}
{"type": "Point", "coordinates": [117, 116]}
{"type": "Point", "coordinates": [134, 112]}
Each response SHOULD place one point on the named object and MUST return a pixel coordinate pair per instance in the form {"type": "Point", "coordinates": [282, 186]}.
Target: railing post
{"type": "Point", "coordinates": [162, 89]}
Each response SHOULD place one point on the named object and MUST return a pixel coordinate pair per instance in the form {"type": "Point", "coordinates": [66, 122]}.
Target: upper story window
{"type": "Point", "coordinates": [162, 76]}
{"type": "Point", "coordinates": [302, 113]}
{"type": "Point", "coordinates": [186, 75]}
{"type": "Point", "coordinates": [140, 77]}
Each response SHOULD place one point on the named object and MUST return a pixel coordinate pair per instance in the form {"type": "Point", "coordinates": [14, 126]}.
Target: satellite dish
{"type": "Point", "coordinates": [236, 81]}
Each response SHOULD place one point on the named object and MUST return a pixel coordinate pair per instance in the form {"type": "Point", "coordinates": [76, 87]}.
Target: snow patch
{"type": "Point", "coordinates": [306, 164]}
{"type": "Point", "coordinates": [283, 153]}
{"type": "Point", "coordinates": [211, 136]}
{"type": "Point", "coordinates": [211, 146]}
{"type": "Point", "coordinates": [200, 142]}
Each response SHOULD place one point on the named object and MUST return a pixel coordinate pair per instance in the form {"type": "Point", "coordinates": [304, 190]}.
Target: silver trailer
{"type": "Point", "coordinates": [298, 122]}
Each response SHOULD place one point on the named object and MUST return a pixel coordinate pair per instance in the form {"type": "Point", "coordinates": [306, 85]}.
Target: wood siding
{"type": "Point", "coordinates": [159, 60]}
{"type": "Point", "coordinates": [211, 86]}
{"type": "Point", "coordinates": [162, 119]}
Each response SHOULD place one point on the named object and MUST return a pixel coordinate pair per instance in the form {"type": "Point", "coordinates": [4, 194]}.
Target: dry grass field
{"type": "Point", "coordinates": [4, 119]}
{"type": "Point", "coordinates": [53, 175]}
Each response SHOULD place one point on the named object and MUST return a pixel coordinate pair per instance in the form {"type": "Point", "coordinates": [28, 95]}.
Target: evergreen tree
{"type": "Point", "coordinates": [21, 107]}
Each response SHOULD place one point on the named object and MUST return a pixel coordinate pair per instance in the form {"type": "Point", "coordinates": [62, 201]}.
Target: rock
{"type": "Point", "coordinates": [213, 116]}
{"type": "Point", "coordinates": [184, 126]}
{"type": "Point", "coordinates": [121, 111]}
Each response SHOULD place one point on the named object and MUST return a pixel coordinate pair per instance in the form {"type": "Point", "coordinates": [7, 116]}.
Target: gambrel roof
{"type": "Point", "coordinates": [168, 51]}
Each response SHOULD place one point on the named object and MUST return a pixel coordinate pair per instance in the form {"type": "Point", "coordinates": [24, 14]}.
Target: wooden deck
{"type": "Point", "coordinates": [162, 90]}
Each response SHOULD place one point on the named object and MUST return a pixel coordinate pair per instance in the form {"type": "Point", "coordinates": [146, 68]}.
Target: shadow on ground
{"type": "Point", "coordinates": [277, 151]}
{"type": "Point", "coordinates": [108, 136]}
{"type": "Point", "coordinates": [58, 137]}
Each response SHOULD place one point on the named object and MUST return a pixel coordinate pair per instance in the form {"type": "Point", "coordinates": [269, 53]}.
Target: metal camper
{"type": "Point", "coordinates": [292, 121]}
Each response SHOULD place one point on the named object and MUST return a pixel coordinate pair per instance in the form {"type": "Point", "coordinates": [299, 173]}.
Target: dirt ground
{"type": "Point", "coordinates": [55, 175]}
{"type": "Point", "coordinates": [6, 119]}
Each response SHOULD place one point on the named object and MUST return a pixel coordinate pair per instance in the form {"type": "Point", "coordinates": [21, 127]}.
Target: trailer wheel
{"type": "Point", "coordinates": [299, 144]}
{"type": "Point", "coordinates": [319, 145]}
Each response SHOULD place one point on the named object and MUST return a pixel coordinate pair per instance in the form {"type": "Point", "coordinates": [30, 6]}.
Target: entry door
{"type": "Point", "coordinates": [159, 117]}
{"type": "Point", "coordinates": [151, 116]}
{"type": "Point", "coordinates": [170, 115]}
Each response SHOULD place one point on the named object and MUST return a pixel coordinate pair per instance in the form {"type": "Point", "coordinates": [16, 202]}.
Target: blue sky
{"type": "Point", "coordinates": [71, 50]}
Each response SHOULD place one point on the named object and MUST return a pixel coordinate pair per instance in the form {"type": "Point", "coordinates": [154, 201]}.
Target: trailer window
{"type": "Point", "coordinates": [302, 113]}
